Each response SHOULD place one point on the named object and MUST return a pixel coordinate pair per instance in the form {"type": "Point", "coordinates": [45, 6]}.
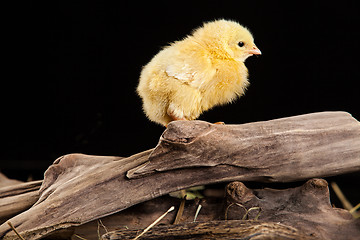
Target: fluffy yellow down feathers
{"type": "Point", "coordinates": [193, 75]}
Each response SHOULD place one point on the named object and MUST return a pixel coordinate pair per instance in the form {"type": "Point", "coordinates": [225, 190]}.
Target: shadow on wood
{"type": "Point", "coordinates": [306, 208]}
{"type": "Point", "coordinates": [302, 212]}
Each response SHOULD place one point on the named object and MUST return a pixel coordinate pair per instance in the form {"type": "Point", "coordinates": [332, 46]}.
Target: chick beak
{"type": "Point", "coordinates": [255, 50]}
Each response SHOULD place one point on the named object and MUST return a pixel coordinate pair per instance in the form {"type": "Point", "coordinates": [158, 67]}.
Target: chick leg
{"type": "Point", "coordinates": [176, 118]}
{"type": "Point", "coordinates": [173, 118]}
{"type": "Point", "coordinates": [175, 115]}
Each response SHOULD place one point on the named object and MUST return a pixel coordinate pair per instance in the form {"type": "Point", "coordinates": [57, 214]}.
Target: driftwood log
{"type": "Point", "coordinates": [79, 188]}
{"type": "Point", "coordinates": [216, 230]}
{"type": "Point", "coordinates": [16, 196]}
{"type": "Point", "coordinates": [306, 208]}
{"type": "Point", "coordinates": [302, 212]}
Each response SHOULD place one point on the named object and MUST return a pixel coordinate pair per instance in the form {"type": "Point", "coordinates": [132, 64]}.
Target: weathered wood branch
{"type": "Point", "coordinates": [286, 149]}
{"type": "Point", "coordinates": [305, 211]}
{"type": "Point", "coordinates": [306, 208]}
{"type": "Point", "coordinates": [16, 196]}
{"type": "Point", "coordinates": [79, 188]}
{"type": "Point", "coordinates": [215, 230]}
{"type": "Point", "coordinates": [6, 182]}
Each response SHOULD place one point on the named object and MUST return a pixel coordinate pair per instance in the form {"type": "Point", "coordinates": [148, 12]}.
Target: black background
{"type": "Point", "coordinates": [72, 68]}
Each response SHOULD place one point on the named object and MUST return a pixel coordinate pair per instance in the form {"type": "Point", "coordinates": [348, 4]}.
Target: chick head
{"type": "Point", "coordinates": [227, 40]}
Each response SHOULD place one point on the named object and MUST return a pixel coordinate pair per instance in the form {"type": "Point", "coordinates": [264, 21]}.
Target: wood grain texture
{"type": "Point", "coordinates": [278, 150]}
{"type": "Point", "coordinates": [80, 188]}
{"type": "Point", "coordinates": [306, 208]}
{"type": "Point", "coordinates": [302, 212]}
{"type": "Point", "coordinates": [16, 197]}
{"type": "Point", "coordinates": [215, 230]}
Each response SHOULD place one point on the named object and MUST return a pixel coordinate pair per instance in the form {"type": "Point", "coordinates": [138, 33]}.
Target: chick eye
{"type": "Point", "coordinates": [241, 44]}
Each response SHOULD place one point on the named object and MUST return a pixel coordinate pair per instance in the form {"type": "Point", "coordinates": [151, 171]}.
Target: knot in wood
{"type": "Point", "coordinates": [238, 192]}
{"type": "Point", "coordinates": [185, 131]}
{"type": "Point", "coordinates": [316, 183]}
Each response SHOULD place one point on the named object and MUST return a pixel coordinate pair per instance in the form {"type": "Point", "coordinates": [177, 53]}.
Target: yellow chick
{"type": "Point", "coordinates": [197, 73]}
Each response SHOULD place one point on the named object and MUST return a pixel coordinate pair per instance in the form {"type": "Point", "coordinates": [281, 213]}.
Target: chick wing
{"type": "Point", "coordinates": [190, 66]}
